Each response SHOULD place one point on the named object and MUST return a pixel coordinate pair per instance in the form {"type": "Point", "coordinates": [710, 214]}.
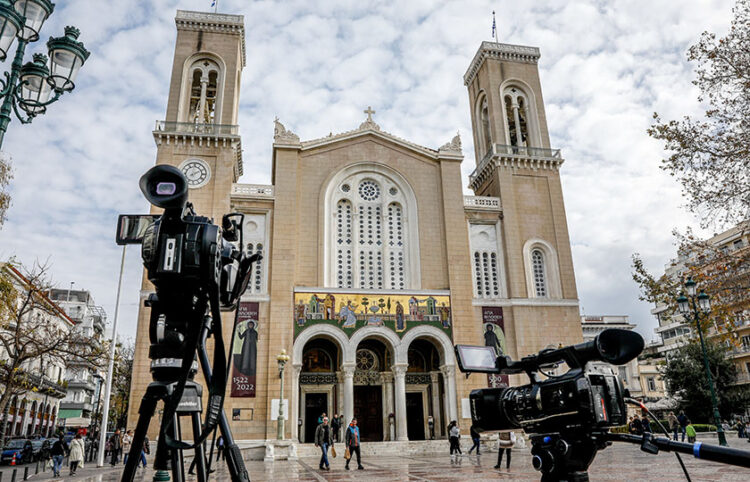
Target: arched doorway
{"type": "Point", "coordinates": [423, 393]}
{"type": "Point", "coordinates": [318, 382]}
{"type": "Point", "coordinates": [373, 360]}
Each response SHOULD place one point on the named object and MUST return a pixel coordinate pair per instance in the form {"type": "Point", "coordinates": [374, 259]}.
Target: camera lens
{"type": "Point", "coordinates": [166, 188]}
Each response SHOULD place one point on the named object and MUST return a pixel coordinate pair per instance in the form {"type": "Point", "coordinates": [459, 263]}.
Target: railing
{"type": "Point", "coordinates": [253, 190]}
{"type": "Point", "coordinates": [537, 153]}
{"type": "Point", "coordinates": [202, 129]}
{"type": "Point", "coordinates": [742, 378]}
{"type": "Point", "coordinates": [482, 202]}
{"type": "Point", "coordinates": [741, 350]}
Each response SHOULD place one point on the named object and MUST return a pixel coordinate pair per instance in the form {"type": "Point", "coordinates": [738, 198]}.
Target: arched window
{"type": "Point", "coordinates": [370, 237]}
{"type": "Point", "coordinates": [205, 76]}
{"type": "Point", "coordinates": [484, 119]}
{"type": "Point", "coordinates": [517, 117]}
{"type": "Point", "coordinates": [540, 277]}
{"type": "Point", "coordinates": [542, 270]}
{"type": "Point", "coordinates": [485, 261]}
{"type": "Point", "coordinates": [254, 236]}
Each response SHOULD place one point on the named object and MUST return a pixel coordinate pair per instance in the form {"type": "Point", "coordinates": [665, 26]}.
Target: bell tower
{"type": "Point", "coordinates": [200, 136]}
{"type": "Point", "coordinates": [515, 163]}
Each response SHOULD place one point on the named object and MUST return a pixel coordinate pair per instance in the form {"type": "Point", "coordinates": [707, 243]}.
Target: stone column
{"type": "Point", "coordinates": [294, 400]}
{"type": "Point", "coordinates": [348, 369]}
{"type": "Point", "coordinates": [449, 380]}
{"type": "Point", "coordinates": [399, 386]}
{"type": "Point", "coordinates": [388, 405]}
{"type": "Point", "coordinates": [339, 393]}
{"type": "Point", "coordinates": [435, 387]}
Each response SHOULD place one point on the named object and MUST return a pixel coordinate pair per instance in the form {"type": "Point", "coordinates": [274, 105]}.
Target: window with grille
{"type": "Point", "coordinates": [369, 234]}
{"type": "Point", "coordinates": [485, 260]}
{"type": "Point", "coordinates": [540, 278]}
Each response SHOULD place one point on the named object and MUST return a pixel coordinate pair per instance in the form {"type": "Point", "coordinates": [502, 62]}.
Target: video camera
{"type": "Point", "coordinates": [198, 269]}
{"type": "Point", "coordinates": [568, 416]}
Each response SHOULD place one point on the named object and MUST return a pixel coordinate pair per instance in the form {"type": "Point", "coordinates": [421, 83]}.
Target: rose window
{"type": "Point", "coordinates": [369, 191]}
{"type": "Point", "coordinates": [366, 360]}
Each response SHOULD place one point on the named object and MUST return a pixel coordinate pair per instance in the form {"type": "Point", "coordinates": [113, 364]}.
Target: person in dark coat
{"type": "Point", "coordinates": [335, 426]}
{"type": "Point", "coordinates": [683, 420]}
{"type": "Point", "coordinates": [646, 424]}
{"type": "Point", "coordinates": [352, 443]}
{"type": "Point", "coordinates": [249, 349]}
{"type": "Point", "coordinates": [115, 445]}
{"type": "Point", "coordinates": [474, 438]}
{"type": "Point", "coordinates": [58, 451]}
{"type": "Point", "coordinates": [324, 439]}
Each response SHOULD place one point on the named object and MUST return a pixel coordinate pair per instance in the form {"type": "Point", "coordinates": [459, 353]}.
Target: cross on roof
{"type": "Point", "coordinates": [369, 113]}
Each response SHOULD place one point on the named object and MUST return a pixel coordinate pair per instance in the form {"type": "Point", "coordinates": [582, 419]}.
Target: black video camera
{"type": "Point", "coordinates": [576, 398]}
{"type": "Point", "coordinates": [561, 412]}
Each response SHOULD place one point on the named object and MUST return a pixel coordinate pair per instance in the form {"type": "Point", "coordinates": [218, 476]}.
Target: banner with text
{"type": "Point", "coordinates": [245, 350]}
{"type": "Point", "coordinates": [494, 336]}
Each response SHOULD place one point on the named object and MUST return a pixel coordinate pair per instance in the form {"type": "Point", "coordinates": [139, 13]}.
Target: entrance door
{"type": "Point", "coordinates": [414, 416]}
{"type": "Point", "coordinates": [368, 409]}
{"type": "Point", "coordinates": [315, 405]}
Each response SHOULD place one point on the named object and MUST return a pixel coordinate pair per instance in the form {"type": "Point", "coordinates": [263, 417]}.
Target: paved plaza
{"type": "Point", "coordinates": [619, 462]}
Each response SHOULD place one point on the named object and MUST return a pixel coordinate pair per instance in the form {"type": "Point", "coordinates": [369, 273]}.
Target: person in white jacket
{"type": "Point", "coordinates": [76, 454]}
{"type": "Point", "coordinates": [506, 440]}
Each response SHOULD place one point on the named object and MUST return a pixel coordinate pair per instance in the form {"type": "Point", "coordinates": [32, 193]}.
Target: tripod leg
{"type": "Point", "coordinates": [200, 453]}
{"type": "Point", "coordinates": [178, 469]}
{"type": "Point", "coordinates": [232, 452]}
{"type": "Point", "coordinates": [145, 412]}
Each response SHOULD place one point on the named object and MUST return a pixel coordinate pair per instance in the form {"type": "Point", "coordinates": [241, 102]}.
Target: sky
{"type": "Point", "coordinates": [605, 67]}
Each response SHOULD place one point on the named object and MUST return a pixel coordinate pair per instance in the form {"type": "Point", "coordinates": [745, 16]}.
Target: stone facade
{"type": "Point", "coordinates": [367, 213]}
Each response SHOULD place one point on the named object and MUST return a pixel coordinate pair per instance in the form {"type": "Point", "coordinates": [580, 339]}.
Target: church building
{"type": "Point", "coordinates": [375, 262]}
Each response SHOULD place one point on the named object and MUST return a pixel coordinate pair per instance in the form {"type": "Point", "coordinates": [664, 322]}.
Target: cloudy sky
{"type": "Point", "coordinates": [606, 66]}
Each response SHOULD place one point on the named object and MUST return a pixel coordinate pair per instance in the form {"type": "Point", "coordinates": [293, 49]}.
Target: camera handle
{"type": "Point", "coordinates": [714, 453]}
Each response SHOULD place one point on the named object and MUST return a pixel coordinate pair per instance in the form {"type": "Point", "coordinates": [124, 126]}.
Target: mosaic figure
{"type": "Point", "coordinates": [400, 322]}
{"type": "Point", "coordinates": [347, 315]}
{"type": "Point", "coordinates": [445, 315]}
{"type": "Point", "coordinates": [300, 313]}
{"type": "Point", "coordinates": [314, 304]}
{"type": "Point", "coordinates": [329, 305]}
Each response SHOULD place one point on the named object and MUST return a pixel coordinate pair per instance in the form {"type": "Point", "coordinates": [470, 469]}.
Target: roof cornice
{"type": "Point", "coordinates": [213, 22]}
{"type": "Point", "coordinates": [498, 51]}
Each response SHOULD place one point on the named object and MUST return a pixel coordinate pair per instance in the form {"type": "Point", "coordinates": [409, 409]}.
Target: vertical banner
{"type": "Point", "coordinates": [245, 350]}
{"type": "Point", "coordinates": [494, 336]}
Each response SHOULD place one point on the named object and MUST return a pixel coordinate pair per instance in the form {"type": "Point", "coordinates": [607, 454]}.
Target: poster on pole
{"type": "Point", "coordinates": [494, 336]}
{"type": "Point", "coordinates": [245, 350]}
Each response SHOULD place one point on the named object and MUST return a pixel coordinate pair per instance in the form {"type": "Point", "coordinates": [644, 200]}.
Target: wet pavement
{"type": "Point", "coordinates": [619, 462]}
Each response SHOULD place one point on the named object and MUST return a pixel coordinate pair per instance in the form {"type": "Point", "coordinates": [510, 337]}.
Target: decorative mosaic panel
{"type": "Point", "coordinates": [351, 311]}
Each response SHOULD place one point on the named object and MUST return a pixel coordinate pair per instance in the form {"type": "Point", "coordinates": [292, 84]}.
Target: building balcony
{"type": "Point", "coordinates": [190, 128]}
{"type": "Point", "coordinates": [53, 389]}
{"type": "Point", "coordinates": [743, 350]}
{"type": "Point", "coordinates": [742, 378]}
{"type": "Point", "coordinates": [85, 406]}
{"type": "Point", "coordinates": [514, 156]}
{"type": "Point", "coordinates": [482, 203]}
{"type": "Point", "coordinates": [88, 385]}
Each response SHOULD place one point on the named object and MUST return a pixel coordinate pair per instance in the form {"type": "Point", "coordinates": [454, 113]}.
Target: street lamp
{"type": "Point", "coordinates": [684, 304]}
{"type": "Point", "coordinates": [27, 88]}
{"type": "Point", "coordinates": [281, 358]}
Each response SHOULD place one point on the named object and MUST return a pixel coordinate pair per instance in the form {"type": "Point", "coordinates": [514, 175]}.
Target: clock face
{"type": "Point", "coordinates": [196, 171]}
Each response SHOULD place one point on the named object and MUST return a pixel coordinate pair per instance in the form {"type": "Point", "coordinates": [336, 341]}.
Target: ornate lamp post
{"type": "Point", "coordinates": [27, 89]}
{"type": "Point", "coordinates": [281, 358]}
{"type": "Point", "coordinates": [685, 303]}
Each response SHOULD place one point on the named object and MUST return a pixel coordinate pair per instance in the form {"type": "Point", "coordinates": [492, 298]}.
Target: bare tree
{"type": "Point", "coordinates": [33, 329]}
{"type": "Point", "coordinates": [711, 155]}
{"type": "Point", "coordinates": [6, 174]}
{"type": "Point", "coordinates": [121, 375]}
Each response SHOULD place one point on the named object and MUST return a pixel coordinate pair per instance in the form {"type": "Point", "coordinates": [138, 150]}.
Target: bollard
{"type": "Point", "coordinates": [13, 476]}
{"type": "Point", "coordinates": [1, 477]}
{"type": "Point", "coordinates": [26, 473]}
{"type": "Point", "coordinates": [36, 470]}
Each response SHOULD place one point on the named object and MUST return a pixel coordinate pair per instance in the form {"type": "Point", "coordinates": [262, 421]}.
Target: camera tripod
{"type": "Point", "coordinates": [167, 456]}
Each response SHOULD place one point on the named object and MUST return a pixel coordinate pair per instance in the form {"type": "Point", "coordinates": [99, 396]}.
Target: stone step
{"type": "Point", "coordinates": [411, 447]}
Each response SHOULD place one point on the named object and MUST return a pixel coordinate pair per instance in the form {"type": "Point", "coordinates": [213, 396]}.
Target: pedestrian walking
{"type": "Point", "coordinates": [335, 426]}
{"type": "Point", "coordinates": [683, 421]}
{"type": "Point", "coordinates": [674, 425]}
{"type": "Point", "coordinates": [690, 431]}
{"type": "Point", "coordinates": [506, 440]}
{"type": "Point", "coordinates": [115, 445]}
{"type": "Point", "coordinates": [58, 451]}
{"type": "Point", "coordinates": [636, 427]}
{"type": "Point", "coordinates": [454, 434]}
{"type": "Point", "coordinates": [645, 424]}
{"type": "Point", "coordinates": [220, 455]}
{"type": "Point", "coordinates": [127, 441]}
{"type": "Point", "coordinates": [475, 439]}
{"type": "Point", "coordinates": [323, 439]}
{"type": "Point", "coordinates": [144, 451]}
{"type": "Point", "coordinates": [322, 416]}
{"type": "Point", "coordinates": [352, 444]}
{"type": "Point", "coordinates": [76, 453]}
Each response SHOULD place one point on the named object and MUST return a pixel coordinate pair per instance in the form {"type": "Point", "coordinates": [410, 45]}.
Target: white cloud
{"type": "Point", "coordinates": [605, 68]}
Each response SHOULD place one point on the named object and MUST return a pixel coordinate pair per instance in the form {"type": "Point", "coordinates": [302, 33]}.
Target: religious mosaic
{"type": "Point", "coordinates": [350, 311]}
